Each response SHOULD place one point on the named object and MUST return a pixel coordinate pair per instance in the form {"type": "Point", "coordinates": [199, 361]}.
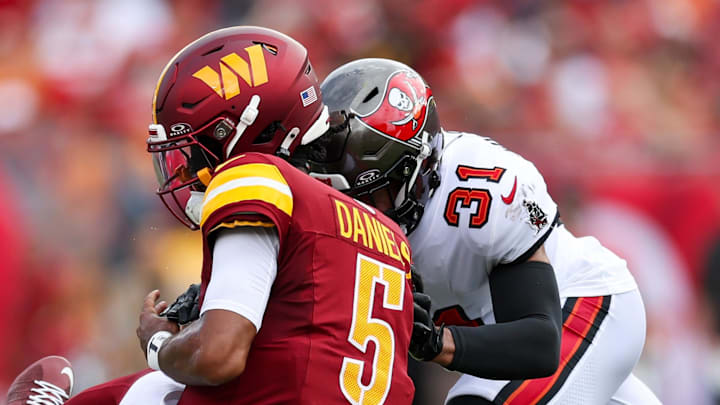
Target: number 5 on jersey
{"type": "Point", "coordinates": [368, 274]}
{"type": "Point", "coordinates": [467, 196]}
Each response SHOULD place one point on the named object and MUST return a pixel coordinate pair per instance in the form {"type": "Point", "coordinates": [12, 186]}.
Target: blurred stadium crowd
{"type": "Point", "coordinates": [617, 103]}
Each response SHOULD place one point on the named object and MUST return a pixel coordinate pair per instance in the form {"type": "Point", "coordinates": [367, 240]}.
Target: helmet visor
{"type": "Point", "coordinates": [176, 167]}
{"type": "Point", "coordinates": [176, 163]}
{"type": "Point", "coordinates": [177, 178]}
{"type": "Point", "coordinates": [177, 160]}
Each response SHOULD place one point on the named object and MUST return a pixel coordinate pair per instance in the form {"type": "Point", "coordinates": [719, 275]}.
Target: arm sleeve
{"type": "Point", "coordinates": [525, 341]}
{"type": "Point", "coordinates": [243, 271]}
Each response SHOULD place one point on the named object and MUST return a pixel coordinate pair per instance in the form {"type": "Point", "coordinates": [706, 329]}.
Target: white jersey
{"type": "Point", "coordinates": [492, 207]}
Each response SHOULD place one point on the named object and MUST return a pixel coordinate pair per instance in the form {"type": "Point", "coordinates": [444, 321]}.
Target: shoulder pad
{"type": "Point", "coordinates": [252, 178]}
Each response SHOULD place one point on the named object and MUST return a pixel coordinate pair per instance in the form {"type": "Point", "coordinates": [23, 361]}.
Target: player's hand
{"type": "Point", "coordinates": [427, 340]}
{"type": "Point", "coordinates": [185, 309]}
{"type": "Point", "coordinates": [150, 320]}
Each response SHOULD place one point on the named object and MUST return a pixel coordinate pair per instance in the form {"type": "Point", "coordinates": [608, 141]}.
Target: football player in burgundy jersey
{"type": "Point", "coordinates": [528, 312]}
{"type": "Point", "coordinates": [297, 279]}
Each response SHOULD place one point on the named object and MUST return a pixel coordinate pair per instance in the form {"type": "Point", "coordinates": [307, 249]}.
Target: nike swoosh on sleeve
{"type": "Point", "coordinates": [509, 198]}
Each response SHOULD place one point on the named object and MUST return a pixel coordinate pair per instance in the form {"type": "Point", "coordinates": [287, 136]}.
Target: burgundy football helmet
{"type": "Point", "coordinates": [235, 90]}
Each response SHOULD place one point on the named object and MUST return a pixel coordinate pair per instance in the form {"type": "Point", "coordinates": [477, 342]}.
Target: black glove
{"type": "Point", "coordinates": [427, 340]}
{"type": "Point", "coordinates": [185, 309]}
{"type": "Point", "coordinates": [417, 282]}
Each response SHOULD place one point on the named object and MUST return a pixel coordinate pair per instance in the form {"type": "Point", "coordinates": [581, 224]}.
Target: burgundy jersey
{"type": "Point", "coordinates": [338, 321]}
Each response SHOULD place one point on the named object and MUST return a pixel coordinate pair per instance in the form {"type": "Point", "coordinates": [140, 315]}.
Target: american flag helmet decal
{"type": "Point", "coordinates": [308, 96]}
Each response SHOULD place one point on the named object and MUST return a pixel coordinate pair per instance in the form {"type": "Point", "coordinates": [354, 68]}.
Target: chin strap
{"type": "Point", "coordinates": [316, 130]}
{"type": "Point", "coordinates": [284, 149]}
{"type": "Point", "coordinates": [434, 180]}
{"type": "Point", "coordinates": [247, 118]}
{"type": "Point", "coordinates": [425, 152]}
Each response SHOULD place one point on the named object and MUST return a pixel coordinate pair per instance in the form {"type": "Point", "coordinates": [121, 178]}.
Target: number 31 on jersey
{"type": "Point", "coordinates": [467, 196]}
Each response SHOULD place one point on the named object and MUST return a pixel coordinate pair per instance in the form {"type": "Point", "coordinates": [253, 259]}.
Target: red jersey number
{"type": "Point", "coordinates": [466, 196]}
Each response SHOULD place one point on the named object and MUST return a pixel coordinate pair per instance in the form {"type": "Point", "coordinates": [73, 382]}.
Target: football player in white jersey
{"type": "Point", "coordinates": [528, 312]}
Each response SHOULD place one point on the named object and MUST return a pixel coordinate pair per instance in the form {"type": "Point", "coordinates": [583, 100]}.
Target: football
{"type": "Point", "coordinates": [47, 376]}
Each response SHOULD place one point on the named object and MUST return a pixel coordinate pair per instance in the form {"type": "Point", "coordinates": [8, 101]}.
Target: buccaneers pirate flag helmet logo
{"type": "Point", "coordinates": [403, 110]}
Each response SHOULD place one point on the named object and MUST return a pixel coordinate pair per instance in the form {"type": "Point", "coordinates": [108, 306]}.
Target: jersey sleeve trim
{"type": "Point", "coordinates": [254, 181]}
{"type": "Point", "coordinates": [238, 223]}
{"type": "Point", "coordinates": [528, 253]}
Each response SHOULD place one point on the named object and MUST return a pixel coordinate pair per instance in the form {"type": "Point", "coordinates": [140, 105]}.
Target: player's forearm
{"type": "Point", "coordinates": [525, 341]}
{"type": "Point", "coordinates": [522, 349]}
{"type": "Point", "coordinates": [191, 359]}
{"type": "Point", "coordinates": [179, 358]}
